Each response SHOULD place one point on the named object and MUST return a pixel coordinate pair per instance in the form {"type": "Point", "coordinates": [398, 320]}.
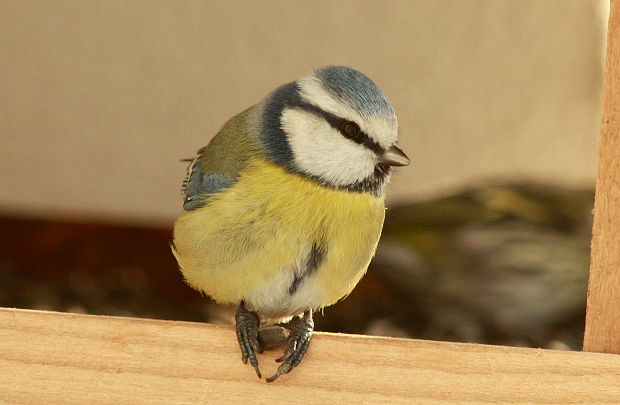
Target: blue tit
{"type": "Point", "coordinates": [284, 207]}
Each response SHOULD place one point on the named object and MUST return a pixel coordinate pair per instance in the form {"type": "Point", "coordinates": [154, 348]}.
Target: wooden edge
{"type": "Point", "coordinates": [49, 357]}
{"type": "Point", "coordinates": [602, 333]}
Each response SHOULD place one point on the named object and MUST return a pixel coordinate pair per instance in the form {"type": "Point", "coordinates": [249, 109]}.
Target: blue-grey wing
{"type": "Point", "coordinates": [218, 164]}
{"type": "Point", "coordinates": [198, 185]}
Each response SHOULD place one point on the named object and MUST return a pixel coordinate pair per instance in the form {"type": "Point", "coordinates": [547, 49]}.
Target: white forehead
{"type": "Point", "coordinates": [383, 129]}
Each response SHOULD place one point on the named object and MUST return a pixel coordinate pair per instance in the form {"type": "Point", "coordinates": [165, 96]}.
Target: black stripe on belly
{"type": "Point", "coordinates": [315, 258]}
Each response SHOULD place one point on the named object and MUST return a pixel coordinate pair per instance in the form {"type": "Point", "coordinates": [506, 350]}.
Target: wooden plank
{"type": "Point", "coordinates": [602, 332]}
{"type": "Point", "coordinates": [48, 357]}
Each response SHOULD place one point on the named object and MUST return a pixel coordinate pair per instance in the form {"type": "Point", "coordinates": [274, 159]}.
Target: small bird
{"type": "Point", "coordinates": [284, 207]}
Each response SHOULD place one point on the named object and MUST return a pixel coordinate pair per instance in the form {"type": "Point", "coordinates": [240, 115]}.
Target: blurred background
{"type": "Point", "coordinates": [487, 236]}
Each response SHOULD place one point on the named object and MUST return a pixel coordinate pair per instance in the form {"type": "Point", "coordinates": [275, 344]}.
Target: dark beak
{"type": "Point", "coordinates": [394, 157]}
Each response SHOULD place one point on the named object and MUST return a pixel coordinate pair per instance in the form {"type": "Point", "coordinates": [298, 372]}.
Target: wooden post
{"type": "Point", "coordinates": [55, 358]}
{"type": "Point", "coordinates": [603, 314]}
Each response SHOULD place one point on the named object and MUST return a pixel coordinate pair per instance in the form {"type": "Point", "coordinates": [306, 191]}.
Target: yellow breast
{"type": "Point", "coordinates": [248, 234]}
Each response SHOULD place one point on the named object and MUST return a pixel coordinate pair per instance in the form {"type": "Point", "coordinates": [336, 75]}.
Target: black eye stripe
{"type": "Point", "coordinates": [338, 123]}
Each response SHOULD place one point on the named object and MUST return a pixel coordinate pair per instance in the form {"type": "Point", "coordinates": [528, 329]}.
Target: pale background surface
{"type": "Point", "coordinates": [99, 99]}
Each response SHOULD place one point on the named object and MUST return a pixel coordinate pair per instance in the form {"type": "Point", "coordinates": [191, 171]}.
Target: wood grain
{"type": "Point", "coordinates": [48, 357]}
{"type": "Point", "coordinates": [603, 314]}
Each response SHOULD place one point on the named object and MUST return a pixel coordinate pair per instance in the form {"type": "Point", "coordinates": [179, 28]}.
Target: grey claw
{"type": "Point", "coordinates": [297, 345]}
{"type": "Point", "coordinates": [247, 336]}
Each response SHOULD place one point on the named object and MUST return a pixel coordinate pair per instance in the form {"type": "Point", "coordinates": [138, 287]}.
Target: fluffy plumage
{"type": "Point", "coordinates": [251, 241]}
{"type": "Point", "coordinates": [284, 207]}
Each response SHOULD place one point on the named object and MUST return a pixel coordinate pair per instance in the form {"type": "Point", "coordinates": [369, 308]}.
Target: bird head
{"type": "Point", "coordinates": [335, 126]}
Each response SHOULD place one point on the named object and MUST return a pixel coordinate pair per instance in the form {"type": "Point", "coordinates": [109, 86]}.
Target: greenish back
{"type": "Point", "coordinates": [218, 164]}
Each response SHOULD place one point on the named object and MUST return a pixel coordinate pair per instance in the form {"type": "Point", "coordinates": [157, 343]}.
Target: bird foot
{"type": "Point", "coordinates": [247, 335]}
{"type": "Point", "coordinates": [297, 344]}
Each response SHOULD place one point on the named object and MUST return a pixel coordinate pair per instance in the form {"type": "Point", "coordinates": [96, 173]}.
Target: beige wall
{"type": "Point", "coordinates": [99, 99]}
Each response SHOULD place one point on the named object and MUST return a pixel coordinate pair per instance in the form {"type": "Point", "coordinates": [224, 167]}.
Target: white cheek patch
{"type": "Point", "coordinates": [321, 151]}
{"type": "Point", "coordinates": [382, 130]}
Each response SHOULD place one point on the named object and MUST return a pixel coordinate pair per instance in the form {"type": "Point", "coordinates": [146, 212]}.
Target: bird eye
{"type": "Point", "coordinates": [349, 129]}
